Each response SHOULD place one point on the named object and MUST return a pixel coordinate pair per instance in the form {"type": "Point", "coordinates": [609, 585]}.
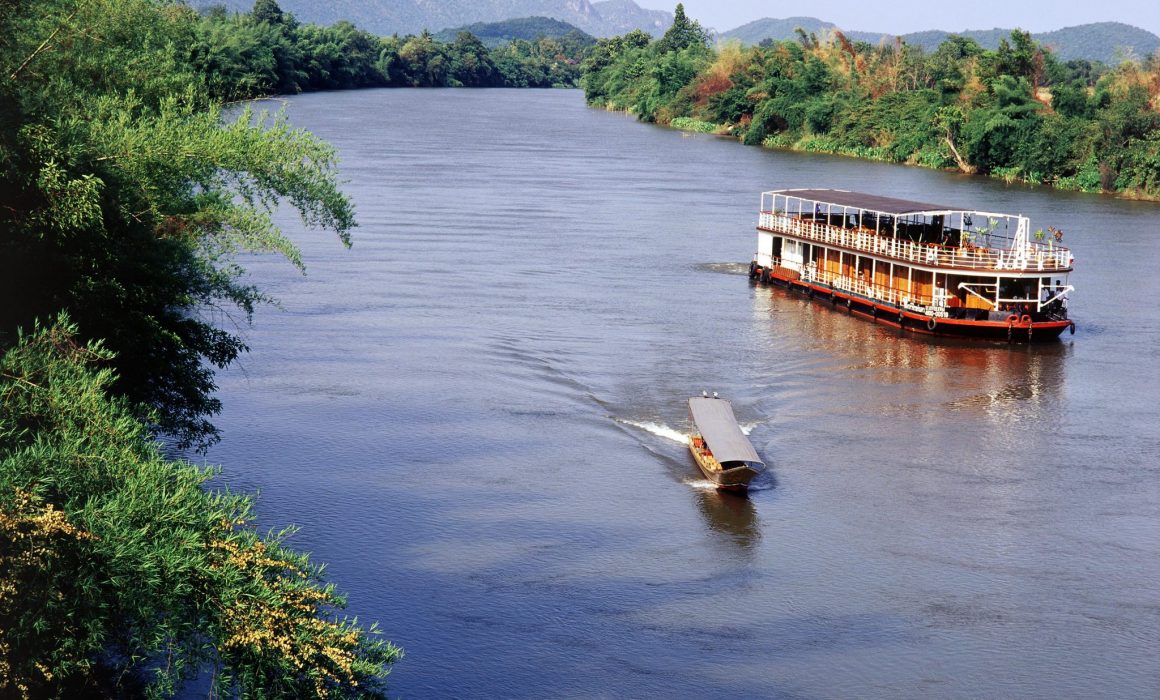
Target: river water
{"type": "Point", "coordinates": [475, 417]}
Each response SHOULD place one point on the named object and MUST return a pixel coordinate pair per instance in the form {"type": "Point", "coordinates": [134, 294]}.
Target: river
{"type": "Point", "coordinates": [474, 415]}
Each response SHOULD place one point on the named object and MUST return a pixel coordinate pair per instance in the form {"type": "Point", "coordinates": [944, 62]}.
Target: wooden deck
{"type": "Point", "coordinates": [1047, 258]}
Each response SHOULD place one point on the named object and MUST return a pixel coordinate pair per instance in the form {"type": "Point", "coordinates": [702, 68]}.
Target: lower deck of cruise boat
{"type": "Point", "coordinates": [955, 315]}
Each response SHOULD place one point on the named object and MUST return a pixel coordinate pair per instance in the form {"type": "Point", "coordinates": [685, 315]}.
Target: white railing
{"type": "Point", "coordinates": [935, 305]}
{"type": "Point", "coordinates": [1031, 256]}
{"type": "Point", "coordinates": [855, 285]}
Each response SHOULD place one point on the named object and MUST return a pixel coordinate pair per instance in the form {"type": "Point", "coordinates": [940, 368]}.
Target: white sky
{"type": "Point", "coordinates": [902, 16]}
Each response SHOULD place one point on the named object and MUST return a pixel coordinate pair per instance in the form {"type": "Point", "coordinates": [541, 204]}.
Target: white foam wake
{"type": "Point", "coordinates": [657, 429]}
{"type": "Point", "coordinates": [702, 484]}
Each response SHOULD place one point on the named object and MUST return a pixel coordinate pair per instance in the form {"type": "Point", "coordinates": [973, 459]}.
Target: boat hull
{"type": "Point", "coordinates": [1017, 329]}
{"type": "Point", "coordinates": [735, 479]}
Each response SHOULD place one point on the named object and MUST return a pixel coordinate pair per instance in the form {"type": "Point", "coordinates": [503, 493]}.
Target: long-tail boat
{"type": "Point", "coordinates": [927, 268]}
{"type": "Point", "coordinates": [720, 448]}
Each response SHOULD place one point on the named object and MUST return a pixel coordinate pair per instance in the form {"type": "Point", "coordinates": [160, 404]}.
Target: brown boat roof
{"type": "Point", "coordinates": [871, 202]}
{"type": "Point", "coordinates": [718, 426]}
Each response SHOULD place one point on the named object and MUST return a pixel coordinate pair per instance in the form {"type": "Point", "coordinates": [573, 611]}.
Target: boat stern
{"type": "Point", "coordinates": [736, 479]}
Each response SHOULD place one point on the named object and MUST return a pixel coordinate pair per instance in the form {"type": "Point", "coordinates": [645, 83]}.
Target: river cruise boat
{"type": "Point", "coordinates": [926, 268]}
{"type": "Point", "coordinates": [720, 448]}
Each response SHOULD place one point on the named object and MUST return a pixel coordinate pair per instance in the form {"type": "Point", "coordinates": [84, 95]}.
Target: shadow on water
{"type": "Point", "coordinates": [855, 344]}
{"type": "Point", "coordinates": [731, 515]}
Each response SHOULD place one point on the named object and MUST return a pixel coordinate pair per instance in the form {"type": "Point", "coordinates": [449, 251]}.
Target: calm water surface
{"type": "Point", "coordinates": [473, 414]}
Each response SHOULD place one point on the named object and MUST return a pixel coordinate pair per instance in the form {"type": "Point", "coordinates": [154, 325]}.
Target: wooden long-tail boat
{"type": "Point", "coordinates": [721, 450]}
{"type": "Point", "coordinates": [926, 268]}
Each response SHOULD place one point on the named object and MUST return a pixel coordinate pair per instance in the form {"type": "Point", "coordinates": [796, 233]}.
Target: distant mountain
{"type": "Point", "coordinates": [622, 16]}
{"type": "Point", "coordinates": [1102, 41]}
{"type": "Point", "coordinates": [930, 39]}
{"type": "Point", "coordinates": [1109, 42]}
{"type": "Point", "coordinates": [385, 17]}
{"type": "Point", "coordinates": [779, 29]}
{"type": "Point", "coordinates": [493, 34]}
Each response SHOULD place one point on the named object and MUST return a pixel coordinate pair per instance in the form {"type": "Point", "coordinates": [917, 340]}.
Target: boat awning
{"type": "Point", "coordinates": [867, 202]}
{"type": "Point", "coordinates": [715, 421]}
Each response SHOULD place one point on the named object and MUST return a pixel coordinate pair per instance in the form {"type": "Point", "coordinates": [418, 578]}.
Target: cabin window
{"type": "Point", "coordinates": [1017, 289]}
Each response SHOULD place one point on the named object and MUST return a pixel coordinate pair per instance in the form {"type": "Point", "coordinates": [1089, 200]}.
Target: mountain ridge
{"type": "Point", "coordinates": [386, 17]}
{"type": "Point", "coordinates": [494, 34]}
{"type": "Point", "coordinates": [1108, 42]}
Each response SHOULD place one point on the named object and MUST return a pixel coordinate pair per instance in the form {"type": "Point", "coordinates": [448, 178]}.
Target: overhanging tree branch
{"type": "Point", "coordinates": [43, 46]}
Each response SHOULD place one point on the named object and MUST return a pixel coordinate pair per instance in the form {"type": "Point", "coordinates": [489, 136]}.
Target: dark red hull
{"type": "Point", "coordinates": [1018, 329]}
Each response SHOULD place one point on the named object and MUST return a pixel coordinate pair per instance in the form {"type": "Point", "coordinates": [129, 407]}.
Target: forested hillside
{"type": "Point", "coordinates": [769, 29]}
{"type": "Point", "coordinates": [1015, 112]}
{"type": "Point", "coordinates": [384, 17]}
{"type": "Point", "coordinates": [494, 34]}
{"type": "Point", "coordinates": [1107, 42]}
{"type": "Point", "coordinates": [267, 51]}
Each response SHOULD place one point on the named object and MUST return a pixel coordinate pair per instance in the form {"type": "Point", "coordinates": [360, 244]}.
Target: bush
{"type": "Point", "coordinates": [689, 124]}
{"type": "Point", "coordinates": [978, 110]}
{"type": "Point", "coordinates": [120, 572]}
{"type": "Point", "coordinates": [782, 140]}
{"type": "Point", "coordinates": [933, 158]}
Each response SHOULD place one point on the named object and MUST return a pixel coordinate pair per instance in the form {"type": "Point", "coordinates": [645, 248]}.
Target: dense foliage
{"type": "Point", "coordinates": [121, 574]}
{"type": "Point", "coordinates": [384, 17]}
{"type": "Point", "coordinates": [266, 51]}
{"type": "Point", "coordinates": [125, 194]}
{"type": "Point", "coordinates": [493, 34]}
{"type": "Point", "coordinates": [1109, 42]}
{"type": "Point", "coordinates": [1015, 112]}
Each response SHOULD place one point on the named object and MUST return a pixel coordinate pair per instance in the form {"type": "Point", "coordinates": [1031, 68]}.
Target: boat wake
{"type": "Point", "coordinates": [658, 429]}
{"type": "Point", "coordinates": [760, 483]}
{"type": "Point", "coordinates": [729, 268]}
{"type": "Point", "coordinates": [701, 484]}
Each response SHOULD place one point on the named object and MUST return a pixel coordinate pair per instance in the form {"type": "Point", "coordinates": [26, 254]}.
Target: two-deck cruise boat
{"type": "Point", "coordinates": [926, 268]}
{"type": "Point", "coordinates": [720, 448]}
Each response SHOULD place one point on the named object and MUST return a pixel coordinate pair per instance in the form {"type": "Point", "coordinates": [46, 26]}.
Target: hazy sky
{"type": "Point", "coordinates": [902, 16]}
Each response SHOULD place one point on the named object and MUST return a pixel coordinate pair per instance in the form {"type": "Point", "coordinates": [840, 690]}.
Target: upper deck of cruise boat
{"type": "Point", "coordinates": [918, 233]}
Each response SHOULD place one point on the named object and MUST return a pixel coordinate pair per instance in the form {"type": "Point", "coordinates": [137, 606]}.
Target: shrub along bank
{"type": "Point", "coordinates": [1016, 112]}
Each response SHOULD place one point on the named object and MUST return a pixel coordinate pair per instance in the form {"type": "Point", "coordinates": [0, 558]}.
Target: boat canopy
{"type": "Point", "coordinates": [717, 425]}
{"type": "Point", "coordinates": [866, 202]}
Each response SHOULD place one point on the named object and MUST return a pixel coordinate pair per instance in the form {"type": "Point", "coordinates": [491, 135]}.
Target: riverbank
{"type": "Point", "coordinates": [314, 58]}
{"type": "Point", "coordinates": [813, 144]}
{"type": "Point", "coordinates": [1015, 113]}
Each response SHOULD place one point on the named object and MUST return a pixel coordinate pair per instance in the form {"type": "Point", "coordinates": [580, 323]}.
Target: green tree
{"type": "Point", "coordinates": [683, 33]}
{"type": "Point", "coordinates": [948, 66]}
{"type": "Point", "coordinates": [1127, 141]}
{"type": "Point", "coordinates": [1070, 99]}
{"type": "Point", "coordinates": [339, 57]}
{"type": "Point", "coordinates": [267, 11]}
{"type": "Point", "coordinates": [239, 58]}
{"type": "Point", "coordinates": [996, 134]}
{"type": "Point", "coordinates": [1020, 57]}
{"type": "Point", "coordinates": [604, 59]}
{"type": "Point", "coordinates": [120, 573]}
{"type": "Point", "coordinates": [981, 111]}
{"type": "Point", "coordinates": [471, 63]}
{"type": "Point", "coordinates": [126, 194]}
